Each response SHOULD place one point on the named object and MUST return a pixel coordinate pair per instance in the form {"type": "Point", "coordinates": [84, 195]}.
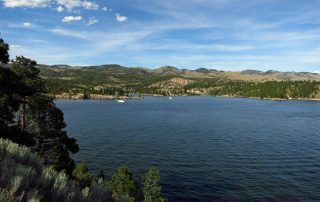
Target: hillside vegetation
{"type": "Point", "coordinates": [119, 80]}
{"type": "Point", "coordinates": [23, 177]}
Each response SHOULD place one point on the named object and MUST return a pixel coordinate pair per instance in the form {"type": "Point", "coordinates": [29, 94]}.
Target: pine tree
{"type": "Point", "coordinates": [39, 117]}
{"type": "Point", "coordinates": [122, 185]}
{"type": "Point", "coordinates": [28, 116]}
{"type": "Point", "coordinates": [4, 52]}
{"type": "Point", "coordinates": [151, 187]}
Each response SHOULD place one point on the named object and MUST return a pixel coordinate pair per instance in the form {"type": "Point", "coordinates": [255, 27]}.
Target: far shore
{"type": "Point", "coordinates": [81, 96]}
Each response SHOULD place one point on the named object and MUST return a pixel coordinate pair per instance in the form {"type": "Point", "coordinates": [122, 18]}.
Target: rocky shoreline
{"type": "Point", "coordinates": [273, 99]}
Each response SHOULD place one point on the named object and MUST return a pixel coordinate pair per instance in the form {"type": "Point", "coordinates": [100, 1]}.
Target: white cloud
{"type": "Point", "coordinates": [105, 9]}
{"type": "Point", "coordinates": [27, 24]}
{"type": "Point", "coordinates": [317, 72]}
{"type": "Point", "coordinates": [232, 47]}
{"type": "Point", "coordinates": [121, 18]}
{"type": "Point", "coordinates": [71, 4]}
{"type": "Point", "coordinates": [92, 21]}
{"type": "Point", "coordinates": [90, 5]}
{"type": "Point", "coordinates": [26, 3]}
{"type": "Point", "coordinates": [71, 18]}
{"type": "Point", "coordinates": [60, 9]}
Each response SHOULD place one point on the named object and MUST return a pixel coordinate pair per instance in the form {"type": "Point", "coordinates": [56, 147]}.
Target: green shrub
{"type": "Point", "coordinates": [82, 175]}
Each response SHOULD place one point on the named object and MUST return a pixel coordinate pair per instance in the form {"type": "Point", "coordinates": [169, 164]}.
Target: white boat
{"type": "Point", "coordinates": [170, 98]}
{"type": "Point", "coordinates": [120, 101]}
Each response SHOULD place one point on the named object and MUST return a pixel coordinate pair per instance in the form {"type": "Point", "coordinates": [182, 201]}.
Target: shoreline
{"type": "Point", "coordinates": [81, 96]}
{"type": "Point", "coordinates": [280, 99]}
{"type": "Point", "coordinates": [272, 99]}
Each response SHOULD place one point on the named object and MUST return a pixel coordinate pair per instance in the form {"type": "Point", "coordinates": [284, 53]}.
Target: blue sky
{"type": "Point", "coordinates": [222, 34]}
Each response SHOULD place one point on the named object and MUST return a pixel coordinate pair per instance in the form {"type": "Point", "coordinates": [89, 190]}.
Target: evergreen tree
{"type": "Point", "coordinates": [12, 91]}
{"type": "Point", "coordinates": [39, 117]}
{"type": "Point", "coordinates": [122, 185]}
{"type": "Point", "coordinates": [28, 116]}
{"type": "Point", "coordinates": [8, 83]}
{"type": "Point", "coordinates": [151, 187]}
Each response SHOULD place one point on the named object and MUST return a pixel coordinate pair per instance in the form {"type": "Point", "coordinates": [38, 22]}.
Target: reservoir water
{"type": "Point", "coordinates": [206, 148]}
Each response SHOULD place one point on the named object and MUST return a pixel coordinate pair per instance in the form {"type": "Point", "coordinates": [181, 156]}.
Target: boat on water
{"type": "Point", "coordinates": [170, 98]}
{"type": "Point", "coordinates": [120, 101]}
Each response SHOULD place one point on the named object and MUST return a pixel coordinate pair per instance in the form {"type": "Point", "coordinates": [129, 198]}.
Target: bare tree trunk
{"type": "Point", "coordinates": [23, 117]}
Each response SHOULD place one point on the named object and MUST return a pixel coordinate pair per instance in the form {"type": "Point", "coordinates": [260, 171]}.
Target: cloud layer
{"type": "Point", "coordinates": [228, 34]}
{"type": "Point", "coordinates": [69, 4]}
{"type": "Point", "coordinates": [25, 3]}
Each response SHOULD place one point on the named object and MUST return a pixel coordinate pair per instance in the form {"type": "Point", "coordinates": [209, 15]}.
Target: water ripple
{"type": "Point", "coordinates": [206, 148]}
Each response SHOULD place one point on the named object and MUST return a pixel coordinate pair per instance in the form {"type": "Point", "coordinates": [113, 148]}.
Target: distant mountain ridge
{"type": "Point", "coordinates": [245, 75]}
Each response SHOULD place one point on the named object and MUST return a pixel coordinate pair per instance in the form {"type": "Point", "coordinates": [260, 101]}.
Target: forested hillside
{"type": "Point", "coordinates": [118, 80]}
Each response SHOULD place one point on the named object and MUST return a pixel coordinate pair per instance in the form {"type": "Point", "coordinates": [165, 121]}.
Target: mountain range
{"type": "Point", "coordinates": [113, 69]}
